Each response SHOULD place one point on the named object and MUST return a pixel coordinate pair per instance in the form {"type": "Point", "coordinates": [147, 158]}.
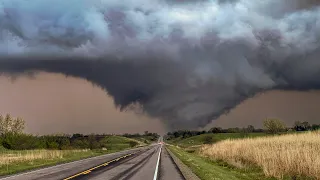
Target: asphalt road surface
{"type": "Point", "coordinates": [146, 163]}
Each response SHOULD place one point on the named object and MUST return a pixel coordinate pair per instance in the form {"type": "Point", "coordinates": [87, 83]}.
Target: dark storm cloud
{"type": "Point", "coordinates": [183, 63]}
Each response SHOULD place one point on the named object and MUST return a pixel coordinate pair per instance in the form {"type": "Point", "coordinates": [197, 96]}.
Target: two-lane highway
{"type": "Point", "coordinates": [142, 166]}
{"type": "Point", "coordinates": [147, 163]}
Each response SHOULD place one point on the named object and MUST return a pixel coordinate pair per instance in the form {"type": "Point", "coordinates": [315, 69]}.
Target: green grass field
{"type": "Point", "coordinates": [120, 143]}
{"type": "Point", "coordinates": [206, 169]}
{"type": "Point", "coordinates": [211, 138]}
{"type": "Point", "coordinates": [13, 161]}
{"type": "Point", "coordinates": [141, 139]}
{"type": "Point", "coordinates": [145, 139]}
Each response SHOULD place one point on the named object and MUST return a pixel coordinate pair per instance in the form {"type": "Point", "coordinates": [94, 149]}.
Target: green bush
{"type": "Point", "coordinates": [64, 143]}
{"type": "Point", "coordinates": [52, 145]}
{"type": "Point", "coordinates": [94, 145]}
{"type": "Point", "coordinates": [21, 141]}
{"type": "Point", "coordinates": [80, 144]}
{"type": "Point", "coordinates": [17, 141]}
{"type": "Point", "coordinates": [208, 140]}
{"type": "Point", "coordinates": [133, 143]}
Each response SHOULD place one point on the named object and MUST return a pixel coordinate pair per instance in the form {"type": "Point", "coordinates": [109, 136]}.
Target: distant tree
{"type": "Point", "coordinates": [80, 144]}
{"type": "Point", "coordinates": [52, 145]}
{"type": "Point", "coordinates": [176, 134]}
{"type": "Point", "coordinates": [298, 126]}
{"type": "Point", "coordinates": [306, 126]}
{"type": "Point", "coordinates": [302, 126]}
{"type": "Point", "coordinates": [215, 130]}
{"type": "Point", "coordinates": [93, 143]}
{"type": "Point", "coordinates": [186, 134]}
{"type": "Point", "coordinates": [76, 136]}
{"type": "Point", "coordinates": [64, 143]}
{"type": "Point", "coordinates": [259, 130]}
{"type": "Point", "coordinates": [274, 126]}
{"type": "Point", "coordinates": [250, 128]}
{"type": "Point", "coordinates": [12, 125]}
{"type": "Point", "coordinates": [18, 125]}
{"type": "Point", "coordinates": [315, 127]}
{"type": "Point", "coordinates": [233, 130]}
{"type": "Point", "coordinates": [244, 132]}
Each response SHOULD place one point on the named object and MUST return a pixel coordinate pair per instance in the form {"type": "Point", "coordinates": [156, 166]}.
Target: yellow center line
{"type": "Point", "coordinates": [104, 164]}
{"type": "Point", "coordinates": [86, 172]}
{"type": "Point", "coordinates": [73, 176]}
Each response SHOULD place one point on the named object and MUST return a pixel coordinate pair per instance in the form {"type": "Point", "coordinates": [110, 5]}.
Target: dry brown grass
{"type": "Point", "coordinates": [292, 155]}
{"type": "Point", "coordinates": [9, 157]}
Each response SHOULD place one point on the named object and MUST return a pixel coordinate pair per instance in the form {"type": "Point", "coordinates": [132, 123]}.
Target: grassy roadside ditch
{"type": "Point", "coordinates": [207, 169]}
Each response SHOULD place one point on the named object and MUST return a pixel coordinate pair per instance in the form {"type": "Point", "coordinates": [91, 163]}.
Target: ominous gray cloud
{"type": "Point", "coordinates": [185, 63]}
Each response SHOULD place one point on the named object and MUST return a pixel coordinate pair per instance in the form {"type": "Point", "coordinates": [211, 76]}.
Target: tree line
{"type": "Point", "coordinates": [270, 125]}
{"type": "Point", "coordinates": [147, 136]}
{"type": "Point", "coordinates": [12, 137]}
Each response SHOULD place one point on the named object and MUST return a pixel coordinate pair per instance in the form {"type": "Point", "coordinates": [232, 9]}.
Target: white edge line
{"type": "Point", "coordinates": [157, 166]}
{"type": "Point", "coordinates": [73, 162]}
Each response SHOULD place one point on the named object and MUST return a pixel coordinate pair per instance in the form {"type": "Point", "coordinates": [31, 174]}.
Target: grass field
{"type": "Point", "coordinates": [207, 169]}
{"type": "Point", "coordinates": [203, 138]}
{"type": "Point", "coordinates": [119, 143]}
{"type": "Point", "coordinates": [17, 161]}
{"type": "Point", "coordinates": [13, 161]}
{"type": "Point", "coordinates": [296, 156]}
{"type": "Point", "coordinates": [141, 139]}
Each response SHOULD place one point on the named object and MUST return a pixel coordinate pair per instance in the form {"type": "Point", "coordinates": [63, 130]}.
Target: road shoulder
{"type": "Point", "coordinates": [185, 170]}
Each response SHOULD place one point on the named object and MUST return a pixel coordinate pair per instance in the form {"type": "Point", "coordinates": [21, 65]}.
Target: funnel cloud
{"type": "Point", "coordinates": [184, 62]}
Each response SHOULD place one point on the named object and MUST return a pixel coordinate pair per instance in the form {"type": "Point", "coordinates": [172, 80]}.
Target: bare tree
{"type": "Point", "coordinates": [9, 124]}
{"type": "Point", "coordinates": [18, 125]}
{"type": "Point", "coordinates": [274, 126]}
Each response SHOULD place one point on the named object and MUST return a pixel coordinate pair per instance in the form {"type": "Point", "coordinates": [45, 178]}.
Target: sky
{"type": "Point", "coordinates": [183, 63]}
{"type": "Point", "coordinates": [54, 103]}
{"type": "Point", "coordinates": [288, 106]}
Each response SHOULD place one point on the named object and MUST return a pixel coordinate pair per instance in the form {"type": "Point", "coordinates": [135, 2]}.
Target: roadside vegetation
{"type": "Point", "coordinates": [209, 138]}
{"type": "Point", "coordinates": [292, 155]}
{"type": "Point", "coordinates": [206, 169]}
{"type": "Point", "coordinates": [147, 137]}
{"type": "Point", "coordinates": [274, 152]}
{"type": "Point", "coordinates": [20, 151]}
{"type": "Point", "coordinates": [13, 161]}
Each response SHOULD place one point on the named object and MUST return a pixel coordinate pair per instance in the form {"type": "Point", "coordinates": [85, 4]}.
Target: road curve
{"type": "Point", "coordinates": [135, 164]}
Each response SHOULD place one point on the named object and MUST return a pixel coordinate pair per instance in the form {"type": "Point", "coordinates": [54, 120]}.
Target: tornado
{"type": "Point", "coordinates": [183, 62]}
